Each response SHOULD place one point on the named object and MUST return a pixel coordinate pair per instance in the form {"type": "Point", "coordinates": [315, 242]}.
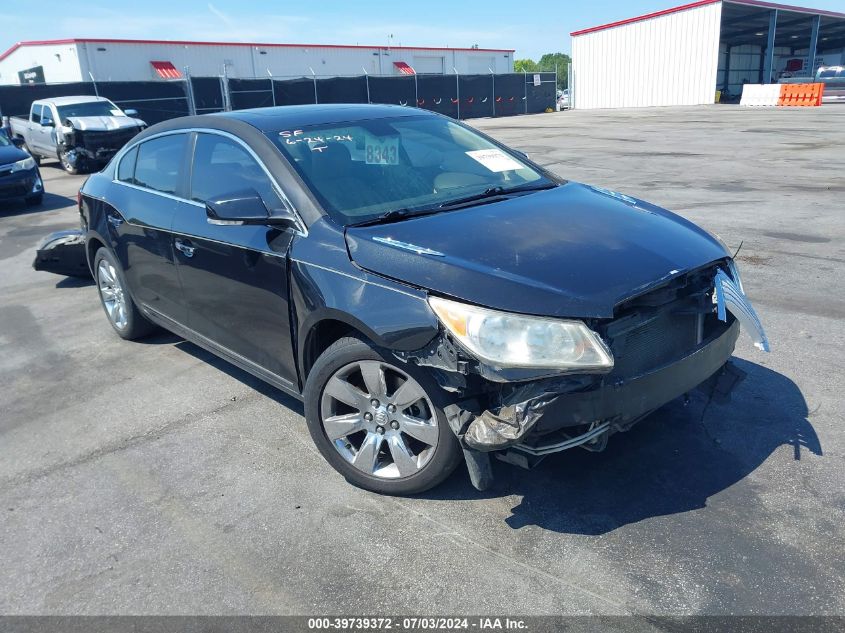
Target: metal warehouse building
{"type": "Point", "coordinates": [683, 55]}
{"type": "Point", "coordinates": [59, 61]}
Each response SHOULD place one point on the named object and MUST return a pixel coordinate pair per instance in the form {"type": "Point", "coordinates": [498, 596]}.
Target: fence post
{"type": "Point", "coordinates": [314, 78]}
{"type": "Point", "coordinates": [224, 85]}
{"type": "Point", "coordinates": [458, 90]}
{"type": "Point", "coordinates": [96, 92]}
{"type": "Point", "coordinates": [525, 86]}
{"type": "Point", "coordinates": [493, 77]}
{"type": "Point", "coordinates": [416, 90]}
{"type": "Point", "coordinates": [272, 87]}
{"type": "Point", "coordinates": [367, 79]}
{"type": "Point", "coordinates": [189, 92]}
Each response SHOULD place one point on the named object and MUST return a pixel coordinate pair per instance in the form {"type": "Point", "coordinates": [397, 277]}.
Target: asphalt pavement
{"type": "Point", "coordinates": [153, 478]}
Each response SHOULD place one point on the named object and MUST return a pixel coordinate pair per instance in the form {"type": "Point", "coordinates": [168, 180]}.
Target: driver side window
{"type": "Point", "coordinates": [222, 167]}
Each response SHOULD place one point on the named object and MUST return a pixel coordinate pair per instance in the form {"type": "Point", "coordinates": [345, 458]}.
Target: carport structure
{"type": "Point", "coordinates": [760, 42]}
{"type": "Point", "coordinates": [683, 55]}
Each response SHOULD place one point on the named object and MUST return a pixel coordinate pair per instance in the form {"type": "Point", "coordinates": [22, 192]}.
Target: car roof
{"type": "Point", "coordinates": [284, 117]}
{"type": "Point", "coordinates": [67, 100]}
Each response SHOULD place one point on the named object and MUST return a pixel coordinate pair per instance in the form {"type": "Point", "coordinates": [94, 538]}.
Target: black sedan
{"type": "Point", "coordinates": [19, 175]}
{"type": "Point", "coordinates": [433, 296]}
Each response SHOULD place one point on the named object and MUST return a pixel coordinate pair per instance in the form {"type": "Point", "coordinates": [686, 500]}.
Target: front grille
{"type": "Point", "coordinates": [111, 140]}
{"type": "Point", "coordinates": [662, 326]}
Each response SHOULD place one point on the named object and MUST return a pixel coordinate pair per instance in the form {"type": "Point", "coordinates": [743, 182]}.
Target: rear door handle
{"type": "Point", "coordinates": [185, 248]}
{"type": "Point", "coordinates": [115, 221]}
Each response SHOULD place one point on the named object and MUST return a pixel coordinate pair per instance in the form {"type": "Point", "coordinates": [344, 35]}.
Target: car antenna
{"type": "Point", "coordinates": [738, 247]}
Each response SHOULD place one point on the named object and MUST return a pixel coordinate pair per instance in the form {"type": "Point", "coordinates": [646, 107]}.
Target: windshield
{"type": "Point", "coordinates": [364, 169]}
{"type": "Point", "coordinates": [4, 140]}
{"type": "Point", "coordinates": [89, 108]}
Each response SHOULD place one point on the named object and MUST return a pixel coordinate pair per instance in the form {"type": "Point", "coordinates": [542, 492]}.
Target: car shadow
{"type": "Point", "coordinates": [51, 202]}
{"type": "Point", "coordinates": [670, 463]}
{"type": "Point", "coordinates": [75, 282]}
{"type": "Point", "coordinates": [228, 368]}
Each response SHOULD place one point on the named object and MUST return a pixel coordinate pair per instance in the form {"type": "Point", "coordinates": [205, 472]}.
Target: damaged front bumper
{"type": "Point", "coordinates": [63, 253]}
{"type": "Point", "coordinates": [522, 421]}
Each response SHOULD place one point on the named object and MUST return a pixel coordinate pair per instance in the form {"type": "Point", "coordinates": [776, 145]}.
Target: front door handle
{"type": "Point", "coordinates": [185, 248]}
{"type": "Point", "coordinates": [115, 221]}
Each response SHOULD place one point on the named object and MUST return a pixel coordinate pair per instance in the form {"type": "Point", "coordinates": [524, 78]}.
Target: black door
{"type": "Point", "coordinates": [234, 278]}
{"type": "Point", "coordinates": [150, 179]}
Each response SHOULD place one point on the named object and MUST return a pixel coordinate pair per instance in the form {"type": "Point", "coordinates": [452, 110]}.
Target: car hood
{"type": "Point", "coordinates": [103, 123]}
{"type": "Point", "coordinates": [571, 251]}
{"type": "Point", "coordinates": [11, 154]}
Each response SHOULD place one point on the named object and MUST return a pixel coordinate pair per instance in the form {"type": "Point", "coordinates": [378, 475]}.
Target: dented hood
{"type": "Point", "coordinates": [572, 251]}
{"type": "Point", "coordinates": [103, 123]}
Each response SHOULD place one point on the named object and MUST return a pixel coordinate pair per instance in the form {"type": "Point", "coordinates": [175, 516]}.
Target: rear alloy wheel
{"type": "Point", "coordinates": [376, 423]}
{"type": "Point", "coordinates": [124, 317]}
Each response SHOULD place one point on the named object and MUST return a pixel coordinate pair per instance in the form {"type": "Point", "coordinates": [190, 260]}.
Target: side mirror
{"type": "Point", "coordinates": [46, 122]}
{"type": "Point", "coordinates": [130, 112]}
{"type": "Point", "coordinates": [242, 207]}
{"type": "Point", "coordinates": [17, 141]}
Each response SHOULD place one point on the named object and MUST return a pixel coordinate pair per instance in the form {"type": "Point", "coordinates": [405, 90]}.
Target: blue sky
{"type": "Point", "coordinates": [532, 28]}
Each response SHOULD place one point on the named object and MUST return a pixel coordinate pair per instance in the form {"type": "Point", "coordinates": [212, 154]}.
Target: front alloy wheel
{"type": "Point", "coordinates": [380, 425]}
{"type": "Point", "coordinates": [379, 419]}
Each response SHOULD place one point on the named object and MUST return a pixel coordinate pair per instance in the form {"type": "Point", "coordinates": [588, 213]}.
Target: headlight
{"type": "Point", "coordinates": [515, 340]}
{"type": "Point", "coordinates": [23, 165]}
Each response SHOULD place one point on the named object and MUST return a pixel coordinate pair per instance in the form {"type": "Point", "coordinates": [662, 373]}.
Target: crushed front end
{"type": "Point", "coordinates": [93, 146]}
{"type": "Point", "coordinates": [664, 343]}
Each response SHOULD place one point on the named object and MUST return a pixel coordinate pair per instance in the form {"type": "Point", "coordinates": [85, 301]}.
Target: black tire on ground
{"type": "Point", "coordinates": [35, 156]}
{"type": "Point", "coordinates": [34, 201]}
{"type": "Point", "coordinates": [447, 452]}
{"type": "Point", "coordinates": [68, 166]}
{"type": "Point", "coordinates": [137, 326]}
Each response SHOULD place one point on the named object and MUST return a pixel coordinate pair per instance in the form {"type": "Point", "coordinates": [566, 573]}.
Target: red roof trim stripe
{"type": "Point", "coordinates": [18, 45]}
{"type": "Point", "coordinates": [647, 16]}
{"type": "Point", "coordinates": [701, 3]}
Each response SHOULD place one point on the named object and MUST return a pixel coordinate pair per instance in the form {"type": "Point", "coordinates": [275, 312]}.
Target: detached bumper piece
{"type": "Point", "coordinates": [63, 253]}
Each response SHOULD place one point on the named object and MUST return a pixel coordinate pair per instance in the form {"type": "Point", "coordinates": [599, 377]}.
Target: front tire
{"type": "Point", "coordinates": [71, 168]}
{"type": "Point", "coordinates": [378, 422]}
{"type": "Point", "coordinates": [121, 311]}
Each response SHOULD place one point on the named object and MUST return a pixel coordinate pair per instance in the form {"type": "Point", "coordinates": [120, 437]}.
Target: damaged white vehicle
{"type": "Point", "coordinates": [82, 132]}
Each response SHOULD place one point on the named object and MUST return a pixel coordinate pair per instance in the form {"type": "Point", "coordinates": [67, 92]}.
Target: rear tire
{"type": "Point", "coordinates": [122, 313]}
{"type": "Point", "coordinates": [35, 157]}
{"type": "Point", "coordinates": [406, 445]}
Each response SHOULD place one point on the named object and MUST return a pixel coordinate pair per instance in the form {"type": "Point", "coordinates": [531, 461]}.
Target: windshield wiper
{"type": "Point", "coordinates": [493, 193]}
{"type": "Point", "coordinates": [395, 215]}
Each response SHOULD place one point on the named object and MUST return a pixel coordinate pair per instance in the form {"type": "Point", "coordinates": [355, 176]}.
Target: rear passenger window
{"type": "Point", "coordinates": [159, 163]}
{"type": "Point", "coordinates": [223, 167]}
{"type": "Point", "coordinates": [35, 117]}
{"type": "Point", "coordinates": [126, 168]}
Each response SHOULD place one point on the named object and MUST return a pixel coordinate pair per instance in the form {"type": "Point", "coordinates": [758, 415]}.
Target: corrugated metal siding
{"type": "Point", "coordinates": [59, 61]}
{"type": "Point", "coordinates": [667, 60]}
{"type": "Point", "coordinates": [130, 61]}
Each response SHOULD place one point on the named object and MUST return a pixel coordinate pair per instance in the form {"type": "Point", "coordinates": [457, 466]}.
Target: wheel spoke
{"type": "Point", "coordinates": [407, 394]}
{"type": "Point", "coordinates": [374, 379]}
{"type": "Point", "coordinates": [339, 426]}
{"type": "Point", "coordinates": [106, 274]}
{"type": "Point", "coordinates": [346, 393]}
{"type": "Point", "coordinates": [406, 462]}
{"type": "Point", "coordinates": [423, 430]}
{"type": "Point", "coordinates": [366, 457]}
{"type": "Point", "coordinates": [108, 293]}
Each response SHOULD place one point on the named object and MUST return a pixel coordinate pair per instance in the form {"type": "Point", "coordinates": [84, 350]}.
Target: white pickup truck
{"type": "Point", "coordinates": [83, 133]}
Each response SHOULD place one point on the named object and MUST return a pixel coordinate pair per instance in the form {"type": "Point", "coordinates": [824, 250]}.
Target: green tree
{"type": "Point", "coordinates": [561, 61]}
{"type": "Point", "coordinates": [524, 65]}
